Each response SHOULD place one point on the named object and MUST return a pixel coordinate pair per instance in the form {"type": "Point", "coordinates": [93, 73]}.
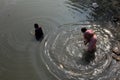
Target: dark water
{"type": "Point", "coordinates": [58, 56]}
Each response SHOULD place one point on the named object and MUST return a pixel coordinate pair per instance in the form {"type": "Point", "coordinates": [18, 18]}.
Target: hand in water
{"type": "Point", "coordinates": [85, 42]}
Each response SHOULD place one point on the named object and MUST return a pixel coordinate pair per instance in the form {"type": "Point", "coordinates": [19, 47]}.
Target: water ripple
{"type": "Point", "coordinates": [63, 51]}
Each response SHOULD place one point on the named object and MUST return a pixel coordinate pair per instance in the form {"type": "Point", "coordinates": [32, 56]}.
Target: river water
{"type": "Point", "coordinates": [58, 55]}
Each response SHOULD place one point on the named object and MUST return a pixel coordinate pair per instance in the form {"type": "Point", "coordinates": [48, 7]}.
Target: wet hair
{"type": "Point", "coordinates": [36, 25]}
{"type": "Point", "coordinates": [83, 29]}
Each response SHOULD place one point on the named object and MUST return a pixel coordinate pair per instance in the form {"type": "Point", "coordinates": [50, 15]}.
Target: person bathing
{"type": "Point", "coordinates": [90, 38]}
{"type": "Point", "coordinates": [38, 32]}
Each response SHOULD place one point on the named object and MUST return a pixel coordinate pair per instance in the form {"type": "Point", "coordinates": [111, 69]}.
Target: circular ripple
{"type": "Point", "coordinates": [20, 34]}
{"type": "Point", "coordinates": [19, 49]}
{"type": "Point", "coordinates": [63, 50]}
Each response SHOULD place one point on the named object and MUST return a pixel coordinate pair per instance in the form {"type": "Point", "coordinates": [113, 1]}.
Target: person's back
{"type": "Point", "coordinates": [92, 43]}
{"type": "Point", "coordinates": [91, 38]}
{"type": "Point", "coordinates": [38, 32]}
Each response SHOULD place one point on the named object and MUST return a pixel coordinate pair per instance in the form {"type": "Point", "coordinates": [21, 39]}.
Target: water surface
{"type": "Point", "coordinates": [58, 56]}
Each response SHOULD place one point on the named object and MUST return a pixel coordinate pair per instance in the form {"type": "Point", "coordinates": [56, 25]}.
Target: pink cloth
{"type": "Point", "coordinates": [91, 38]}
{"type": "Point", "coordinates": [92, 43]}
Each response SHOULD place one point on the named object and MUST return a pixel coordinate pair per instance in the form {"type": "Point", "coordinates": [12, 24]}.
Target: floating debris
{"type": "Point", "coordinates": [61, 66]}
{"type": "Point", "coordinates": [95, 5]}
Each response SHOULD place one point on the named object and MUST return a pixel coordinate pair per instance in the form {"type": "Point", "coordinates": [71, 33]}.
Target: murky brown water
{"type": "Point", "coordinates": [58, 56]}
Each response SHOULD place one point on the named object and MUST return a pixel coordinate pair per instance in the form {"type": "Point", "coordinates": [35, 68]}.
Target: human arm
{"type": "Point", "coordinates": [85, 39]}
{"type": "Point", "coordinates": [85, 42]}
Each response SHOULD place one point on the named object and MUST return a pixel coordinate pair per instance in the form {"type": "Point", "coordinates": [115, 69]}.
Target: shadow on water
{"type": "Point", "coordinates": [88, 57]}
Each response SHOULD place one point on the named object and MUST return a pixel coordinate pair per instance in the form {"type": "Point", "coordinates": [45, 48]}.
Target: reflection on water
{"type": "Point", "coordinates": [60, 52]}
{"type": "Point", "coordinates": [63, 51]}
{"type": "Point", "coordinates": [105, 11]}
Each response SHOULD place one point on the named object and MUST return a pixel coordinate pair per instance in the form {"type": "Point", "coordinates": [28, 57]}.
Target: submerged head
{"type": "Point", "coordinates": [36, 25]}
{"type": "Point", "coordinates": [84, 29]}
